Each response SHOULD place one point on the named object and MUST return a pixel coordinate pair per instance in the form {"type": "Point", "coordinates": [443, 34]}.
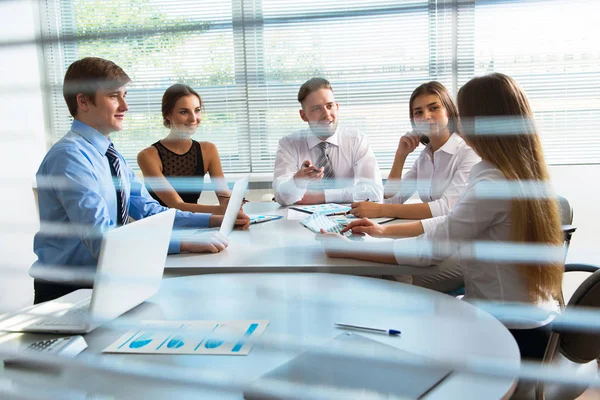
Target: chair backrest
{"type": "Point", "coordinates": [566, 211]}
{"type": "Point", "coordinates": [566, 219]}
{"type": "Point", "coordinates": [577, 346]}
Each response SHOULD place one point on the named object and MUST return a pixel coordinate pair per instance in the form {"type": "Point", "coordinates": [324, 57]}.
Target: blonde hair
{"type": "Point", "coordinates": [514, 148]}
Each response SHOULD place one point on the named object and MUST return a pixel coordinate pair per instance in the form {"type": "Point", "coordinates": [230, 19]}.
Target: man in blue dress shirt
{"type": "Point", "coordinates": [85, 187]}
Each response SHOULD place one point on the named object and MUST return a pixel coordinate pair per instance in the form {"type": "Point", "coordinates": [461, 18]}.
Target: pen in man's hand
{"type": "Point", "coordinates": [392, 332]}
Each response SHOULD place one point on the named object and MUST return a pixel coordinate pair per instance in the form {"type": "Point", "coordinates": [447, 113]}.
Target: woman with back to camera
{"type": "Point", "coordinates": [170, 164]}
{"type": "Point", "coordinates": [441, 170]}
{"type": "Point", "coordinates": [487, 227]}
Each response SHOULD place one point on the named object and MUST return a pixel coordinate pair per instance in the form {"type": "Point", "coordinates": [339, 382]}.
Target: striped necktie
{"type": "Point", "coordinates": [325, 162]}
{"type": "Point", "coordinates": [117, 173]}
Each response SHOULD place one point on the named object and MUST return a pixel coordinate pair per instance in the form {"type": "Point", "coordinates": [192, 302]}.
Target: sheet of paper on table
{"type": "Point", "coordinates": [260, 218]}
{"type": "Point", "coordinates": [346, 219]}
{"type": "Point", "coordinates": [327, 209]}
{"type": "Point", "coordinates": [294, 212]}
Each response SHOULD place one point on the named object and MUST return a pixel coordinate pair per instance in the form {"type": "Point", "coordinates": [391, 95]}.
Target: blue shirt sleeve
{"type": "Point", "coordinates": [142, 205]}
{"type": "Point", "coordinates": [78, 190]}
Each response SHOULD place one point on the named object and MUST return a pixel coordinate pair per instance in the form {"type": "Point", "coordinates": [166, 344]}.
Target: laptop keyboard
{"type": "Point", "coordinates": [76, 316]}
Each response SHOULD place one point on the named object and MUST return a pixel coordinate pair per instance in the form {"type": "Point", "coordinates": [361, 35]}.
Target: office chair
{"type": "Point", "coordinates": [569, 347]}
{"type": "Point", "coordinates": [566, 217]}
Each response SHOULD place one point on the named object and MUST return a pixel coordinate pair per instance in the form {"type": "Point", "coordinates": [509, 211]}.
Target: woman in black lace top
{"type": "Point", "coordinates": [174, 167]}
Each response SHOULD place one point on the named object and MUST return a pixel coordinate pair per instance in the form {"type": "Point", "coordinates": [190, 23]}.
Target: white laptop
{"type": "Point", "coordinates": [130, 268]}
{"type": "Point", "coordinates": [325, 372]}
{"type": "Point", "coordinates": [234, 205]}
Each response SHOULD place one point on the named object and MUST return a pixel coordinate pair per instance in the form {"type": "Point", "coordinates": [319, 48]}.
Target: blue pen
{"type": "Point", "coordinates": [392, 332]}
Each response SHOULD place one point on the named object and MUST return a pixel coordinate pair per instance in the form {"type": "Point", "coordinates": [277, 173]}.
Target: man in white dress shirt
{"type": "Point", "coordinates": [324, 163]}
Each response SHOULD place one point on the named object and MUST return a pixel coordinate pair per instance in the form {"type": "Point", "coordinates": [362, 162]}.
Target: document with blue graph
{"type": "Point", "coordinates": [258, 218]}
{"type": "Point", "coordinates": [190, 337]}
{"type": "Point", "coordinates": [317, 221]}
{"type": "Point", "coordinates": [346, 219]}
{"type": "Point", "coordinates": [325, 209]}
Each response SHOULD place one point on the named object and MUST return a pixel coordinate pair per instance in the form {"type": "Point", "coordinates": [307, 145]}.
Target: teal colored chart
{"type": "Point", "coordinates": [175, 343]}
{"type": "Point", "coordinates": [190, 337]}
{"type": "Point", "coordinates": [143, 340]}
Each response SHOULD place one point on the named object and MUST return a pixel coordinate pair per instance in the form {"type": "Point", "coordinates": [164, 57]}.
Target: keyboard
{"type": "Point", "coordinates": [74, 316]}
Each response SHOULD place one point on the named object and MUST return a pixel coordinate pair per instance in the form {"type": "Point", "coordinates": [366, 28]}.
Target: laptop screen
{"type": "Point", "coordinates": [131, 263]}
{"type": "Point", "coordinates": [234, 205]}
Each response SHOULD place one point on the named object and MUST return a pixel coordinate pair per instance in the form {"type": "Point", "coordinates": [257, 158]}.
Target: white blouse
{"type": "Point", "coordinates": [439, 182]}
{"type": "Point", "coordinates": [477, 232]}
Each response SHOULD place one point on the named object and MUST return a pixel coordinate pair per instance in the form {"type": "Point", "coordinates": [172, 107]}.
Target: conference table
{"type": "Point", "coordinates": [302, 307]}
{"type": "Point", "coordinates": [282, 245]}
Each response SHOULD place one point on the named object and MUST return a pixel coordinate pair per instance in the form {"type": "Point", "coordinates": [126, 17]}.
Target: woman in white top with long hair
{"type": "Point", "coordinates": [441, 172]}
{"type": "Point", "coordinates": [506, 227]}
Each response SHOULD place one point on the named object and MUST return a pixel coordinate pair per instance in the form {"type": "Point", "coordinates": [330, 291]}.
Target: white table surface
{"type": "Point", "coordinates": [283, 245]}
{"type": "Point", "coordinates": [305, 306]}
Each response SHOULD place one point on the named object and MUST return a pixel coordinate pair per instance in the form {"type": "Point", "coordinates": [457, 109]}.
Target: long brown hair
{"type": "Point", "coordinates": [508, 139]}
{"type": "Point", "coordinates": [442, 93]}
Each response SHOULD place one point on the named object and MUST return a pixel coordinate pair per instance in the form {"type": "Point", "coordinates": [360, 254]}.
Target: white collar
{"type": "Point", "coordinates": [451, 144]}
{"type": "Point", "coordinates": [313, 140]}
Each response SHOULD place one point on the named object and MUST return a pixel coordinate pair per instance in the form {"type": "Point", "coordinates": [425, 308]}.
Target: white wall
{"type": "Point", "coordinates": [579, 184]}
{"type": "Point", "coordinates": [22, 141]}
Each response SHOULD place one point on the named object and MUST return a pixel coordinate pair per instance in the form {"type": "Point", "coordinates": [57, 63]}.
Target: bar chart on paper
{"type": "Point", "coordinates": [190, 337]}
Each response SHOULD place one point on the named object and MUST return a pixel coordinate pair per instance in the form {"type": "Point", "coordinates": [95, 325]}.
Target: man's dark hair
{"type": "Point", "coordinates": [312, 85]}
{"type": "Point", "coordinates": [87, 76]}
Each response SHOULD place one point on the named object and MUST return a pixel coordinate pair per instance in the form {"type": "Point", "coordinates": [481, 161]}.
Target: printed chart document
{"type": "Point", "coordinates": [325, 209]}
{"type": "Point", "coordinates": [190, 337]}
{"type": "Point", "coordinates": [259, 218]}
{"type": "Point", "coordinates": [346, 219]}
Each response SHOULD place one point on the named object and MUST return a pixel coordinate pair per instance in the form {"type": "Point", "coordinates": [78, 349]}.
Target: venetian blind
{"type": "Point", "coordinates": [548, 47]}
{"type": "Point", "coordinates": [248, 58]}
